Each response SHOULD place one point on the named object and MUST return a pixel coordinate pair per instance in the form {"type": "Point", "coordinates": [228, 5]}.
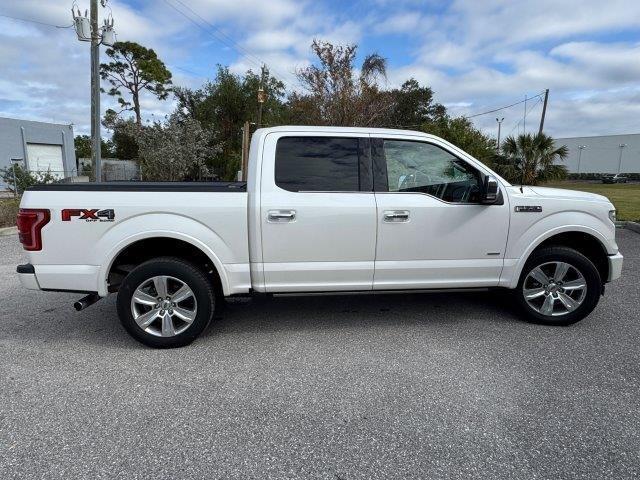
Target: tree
{"type": "Point", "coordinates": [123, 139]}
{"type": "Point", "coordinates": [461, 132]}
{"type": "Point", "coordinates": [174, 151]}
{"type": "Point", "coordinates": [334, 94]}
{"type": "Point", "coordinates": [531, 159]}
{"type": "Point", "coordinates": [135, 69]}
{"type": "Point", "coordinates": [223, 105]}
{"type": "Point", "coordinates": [82, 144]}
{"type": "Point", "coordinates": [413, 106]}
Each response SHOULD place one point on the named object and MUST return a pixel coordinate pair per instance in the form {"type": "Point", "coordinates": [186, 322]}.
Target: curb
{"type": "Point", "coordinates": [8, 231]}
{"type": "Point", "coordinates": [634, 226]}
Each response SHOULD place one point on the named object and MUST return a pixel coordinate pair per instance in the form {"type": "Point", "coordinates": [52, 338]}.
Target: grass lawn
{"type": "Point", "coordinates": [8, 211]}
{"type": "Point", "coordinates": [625, 196]}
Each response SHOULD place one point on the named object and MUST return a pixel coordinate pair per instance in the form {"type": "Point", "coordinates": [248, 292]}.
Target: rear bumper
{"type": "Point", "coordinates": [615, 266]}
{"type": "Point", "coordinates": [71, 278]}
{"type": "Point", "coordinates": [27, 276]}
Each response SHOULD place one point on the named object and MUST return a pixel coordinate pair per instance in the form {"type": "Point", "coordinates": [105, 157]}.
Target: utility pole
{"type": "Point", "coordinates": [622, 145]}
{"type": "Point", "coordinates": [95, 91]}
{"type": "Point", "coordinates": [261, 95]}
{"type": "Point", "coordinates": [580, 148]}
{"type": "Point", "coordinates": [544, 110]}
{"type": "Point", "coordinates": [245, 151]}
{"type": "Point", "coordinates": [88, 31]}
{"type": "Point", "coordinates": [499, 127]}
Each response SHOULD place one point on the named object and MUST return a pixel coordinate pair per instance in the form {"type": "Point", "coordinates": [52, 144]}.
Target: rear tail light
{"type": "Point", "coordinates": [30, 222]}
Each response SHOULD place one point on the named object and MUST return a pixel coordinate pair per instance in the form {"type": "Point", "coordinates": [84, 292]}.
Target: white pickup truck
{"type": "Point", "coordinates": [325, 209]}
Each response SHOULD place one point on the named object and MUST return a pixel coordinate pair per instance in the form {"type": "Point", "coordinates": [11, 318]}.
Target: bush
{"type": "Point", "coordinates": [24, 178]}
{"type": "Point", "coordinates": [8, 211]}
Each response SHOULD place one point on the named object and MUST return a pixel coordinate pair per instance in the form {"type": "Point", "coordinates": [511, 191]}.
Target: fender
{"type": "Point", "coordinates": [182, 228]}
{"type": "Point", "coordinates": [540, 231]}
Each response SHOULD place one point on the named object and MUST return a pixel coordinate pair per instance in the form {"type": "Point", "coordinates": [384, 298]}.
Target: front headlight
{"type": "Point", "coordinates": [612, 215]}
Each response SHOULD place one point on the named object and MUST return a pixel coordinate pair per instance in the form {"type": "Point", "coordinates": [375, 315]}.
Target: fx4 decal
{"type": "Point", "coordinates": [88, 215]}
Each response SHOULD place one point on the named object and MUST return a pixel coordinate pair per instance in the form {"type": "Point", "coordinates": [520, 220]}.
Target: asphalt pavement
{"type": "Point", "coordinates": [334, 387]}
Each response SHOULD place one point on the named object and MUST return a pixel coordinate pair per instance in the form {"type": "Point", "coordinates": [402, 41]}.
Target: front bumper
{"type": "Point", "coordinates": [615, 266]}
{"type": "Point", "coordinates": [27, 276]}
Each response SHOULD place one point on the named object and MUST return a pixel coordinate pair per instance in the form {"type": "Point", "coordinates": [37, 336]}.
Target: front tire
{"type": "Point", "coordinates": [558, 286]}
{"type": "Point", "coordinates": [165, 302]}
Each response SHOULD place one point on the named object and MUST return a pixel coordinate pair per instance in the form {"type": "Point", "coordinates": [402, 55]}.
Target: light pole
{"type": "Point", "coordinates": [499, 120]}
{"type": "Point", "coordinates": [622, 145]}
{"type": "Point", "coordinates": [580, 148]}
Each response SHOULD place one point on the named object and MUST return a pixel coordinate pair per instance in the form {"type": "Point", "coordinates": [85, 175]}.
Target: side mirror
{"type": "Point", "coordinates": [490, 190]}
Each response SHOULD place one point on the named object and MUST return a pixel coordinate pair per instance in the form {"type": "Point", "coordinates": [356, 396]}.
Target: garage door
{"type": "Point", "coordinates": [43, 157]}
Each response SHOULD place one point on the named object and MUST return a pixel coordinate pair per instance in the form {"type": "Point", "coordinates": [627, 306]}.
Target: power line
{"type": "Point", "coordinates": [191, 72]}
{"type": "Point", "coordinates": [527, 112]}
{"type": "Point", "coordinates": [233, 43]}
{"type": "Point", "coordinates": [219, 35]}
{"type": "Point", "coordinates": [505, 107]}
{"type": "Point", "coordinates": [35, 21]}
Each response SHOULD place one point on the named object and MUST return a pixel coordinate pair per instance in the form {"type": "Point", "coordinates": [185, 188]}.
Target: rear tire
{"type": "Point", "coordinates": [173, 304]}
{"type": "Point", "coordinates": [570, 292]}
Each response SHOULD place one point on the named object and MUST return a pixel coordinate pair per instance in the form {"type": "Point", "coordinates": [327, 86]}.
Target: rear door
{"type": "Point", "coordinates": [318, 212]}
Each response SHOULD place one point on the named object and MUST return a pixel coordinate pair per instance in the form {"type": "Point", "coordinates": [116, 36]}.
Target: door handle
{"type": "Point", "coordinates": [396, 216]}
{"type": "Point", "coordinates": [281, 216]}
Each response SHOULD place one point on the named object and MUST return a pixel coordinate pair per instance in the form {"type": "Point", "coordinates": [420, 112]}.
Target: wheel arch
{"type": "Point", "coordinates": [144, 246]}
{"type": "Point", "coordinates": [585, 240]}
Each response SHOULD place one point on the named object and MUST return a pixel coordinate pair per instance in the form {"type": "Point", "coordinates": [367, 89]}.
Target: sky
{"type": "Point", "coordinates": [475, 55]}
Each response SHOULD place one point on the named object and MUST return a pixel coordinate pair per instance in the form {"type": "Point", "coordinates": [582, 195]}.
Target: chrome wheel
{"type": "Point", "coordinates": [164, 306]}
{"type": "Point", "coordinates": [554, 288]}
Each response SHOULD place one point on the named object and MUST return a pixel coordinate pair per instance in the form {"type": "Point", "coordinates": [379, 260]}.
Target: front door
{"type": "Point", "coordinates": [318, 213]}
{"type": "Point", "coordinates": [432, 230]}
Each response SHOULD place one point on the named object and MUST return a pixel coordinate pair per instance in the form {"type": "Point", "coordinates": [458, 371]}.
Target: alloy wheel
{"type": "Point", "coordinates": [164, 306]}
{"type": "Point", "coordinates": [554, 288]}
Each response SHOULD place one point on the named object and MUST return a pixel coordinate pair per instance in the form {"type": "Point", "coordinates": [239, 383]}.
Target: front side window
{"type": "Point", "coordinates": [422, 167]}
{"type": "Point", "coordinates": [321, 164]}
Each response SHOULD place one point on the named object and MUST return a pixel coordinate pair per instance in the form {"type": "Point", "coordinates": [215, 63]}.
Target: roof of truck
{"type": "Point", "coordinates": [361, 130]}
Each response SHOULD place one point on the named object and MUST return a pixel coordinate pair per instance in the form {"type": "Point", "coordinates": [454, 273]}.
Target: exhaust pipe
{"type": "Point", "coordinates": [87, 301]}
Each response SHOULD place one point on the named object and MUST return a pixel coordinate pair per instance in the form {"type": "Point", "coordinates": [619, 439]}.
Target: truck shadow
{"type": "Point", "coordinates": [271, 314]}
{"type": "Point", "coordinates": [59, 324]}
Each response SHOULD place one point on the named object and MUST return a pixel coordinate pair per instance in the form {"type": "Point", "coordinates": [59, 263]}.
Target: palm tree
{"type": "Point", "coordinates": [336, 92]}
{"type": "Point", "coordinates": [531, 159]}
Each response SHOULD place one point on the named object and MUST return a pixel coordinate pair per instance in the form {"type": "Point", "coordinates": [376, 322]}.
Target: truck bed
{"type": "Point", "coordinates": [91, 223]}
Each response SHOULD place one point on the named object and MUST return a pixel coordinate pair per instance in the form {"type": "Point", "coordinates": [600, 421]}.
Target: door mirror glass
{"type": "Point", "coordinates": [490, 189]}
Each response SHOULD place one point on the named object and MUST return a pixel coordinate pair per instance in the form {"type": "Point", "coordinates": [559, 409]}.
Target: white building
{"type": "Point", "coordinates": [602, 154]}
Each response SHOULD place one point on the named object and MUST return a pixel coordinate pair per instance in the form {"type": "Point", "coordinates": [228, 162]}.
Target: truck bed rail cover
{"type": "Point", "coordinates": [144, 187]}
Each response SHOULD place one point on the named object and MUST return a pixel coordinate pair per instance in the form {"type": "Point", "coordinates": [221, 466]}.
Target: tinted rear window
{"type": "Point", "coordinates": [328, 164]}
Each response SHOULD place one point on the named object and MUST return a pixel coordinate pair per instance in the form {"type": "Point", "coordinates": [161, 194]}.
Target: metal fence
{"type": "Point", "coordinates": [113, 170]}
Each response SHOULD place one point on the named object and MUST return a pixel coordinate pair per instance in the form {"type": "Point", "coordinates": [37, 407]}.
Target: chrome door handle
{"type": "Point", "coordinates": [395, 216]}
{"type": "Point", "coordinates": [281, 215]}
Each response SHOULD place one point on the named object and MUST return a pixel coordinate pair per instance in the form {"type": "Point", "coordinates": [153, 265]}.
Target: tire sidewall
{"type": "Point", "coordinates": [183, 271]}
{"type": "Point", "coordinates": [576, 260]}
